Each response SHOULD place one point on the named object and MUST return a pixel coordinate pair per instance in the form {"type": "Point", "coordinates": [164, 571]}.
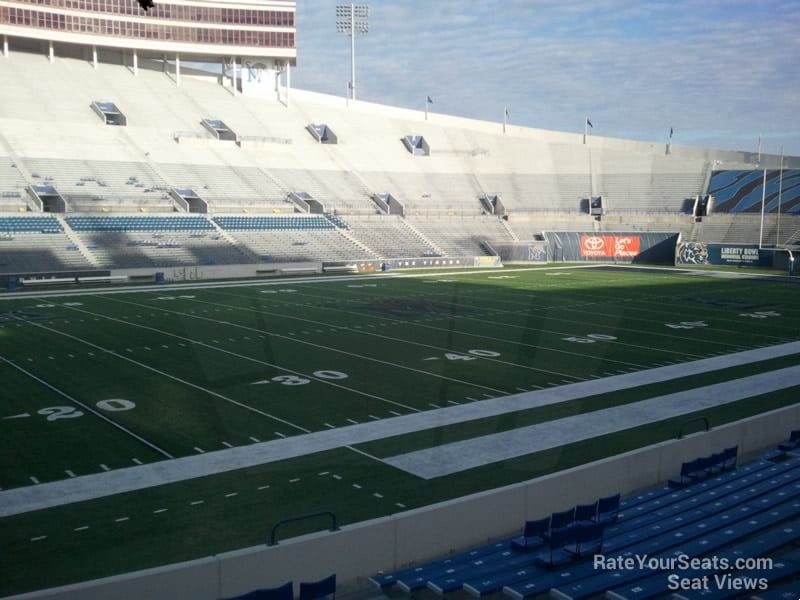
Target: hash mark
{"type": "Point", "coordinates": [39, 538]}
{"type": "Point", "coordinates": [295, 480]}
{"type": "Point", "coordinates": [227, 445]}
{"type": "Point", "coordinates": [81, 528]}
{"type": "Point", "coordinates": [263, 487]}
{"type": "Point", "coordinates": [104, 467]}
{"type": "Point", "coordinates": [279, 434]}
{"type": "Point", "coordinates": [160, 510]}
{"type": "Point", "coordinates": [137, 461]}
{"type": "Point", "coordinates": [232, 494]}
{"type": "Point", "coordinates": [255, 439]}
{"type": "Point", "coordinates": [199, 450]}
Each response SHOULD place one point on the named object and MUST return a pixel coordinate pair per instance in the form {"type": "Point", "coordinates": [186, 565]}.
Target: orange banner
{"type": "Point", "coordinates": [609, 246]}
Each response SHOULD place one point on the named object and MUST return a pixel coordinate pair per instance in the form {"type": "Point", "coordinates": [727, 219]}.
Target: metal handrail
{"type": "Point", "coordinates": [334, 526]}
{"type": "Point", "coordinates": [704, 420]}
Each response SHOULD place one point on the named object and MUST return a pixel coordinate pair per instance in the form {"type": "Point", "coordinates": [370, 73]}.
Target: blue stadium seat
{"type": "Point", "coordinates": [792, 443]}
{"type": "Point", "coordinates": [586, 513]}
{"type": "Point", "coordinates": [608, 509]}
{"type": "Point", "coordinates": [324, 588]}
{"type": "Point", "coordinates": [283, 592]}
{"type": "Point", "coordinates": [532, 536]}
{"type": "Point", "coordinates": [558, 544]}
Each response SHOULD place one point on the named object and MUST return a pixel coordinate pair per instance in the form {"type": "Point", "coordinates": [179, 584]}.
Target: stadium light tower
{"type": "Point", "coordinates": [352, 19]}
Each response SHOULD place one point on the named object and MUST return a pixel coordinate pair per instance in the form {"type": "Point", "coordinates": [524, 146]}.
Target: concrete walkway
{"type": "Point", "coordinates": [88, 487]}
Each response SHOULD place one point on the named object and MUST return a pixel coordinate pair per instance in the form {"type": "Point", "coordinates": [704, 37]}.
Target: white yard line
{"type": "Point", "coordinates": [314, 345]}
{"type": "Point", "coordinates": [159, 372]}
{"type": "Point", "coordinates": [87, 408]}
{"type": "Point", "coordinates": [21, 500]}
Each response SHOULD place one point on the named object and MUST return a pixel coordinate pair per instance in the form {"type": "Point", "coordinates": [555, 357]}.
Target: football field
{"type": "Point", "coordinates": [143, 427]}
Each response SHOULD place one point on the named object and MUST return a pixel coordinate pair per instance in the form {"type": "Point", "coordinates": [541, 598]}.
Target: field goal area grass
{"type": "Point", "coordinates": [143, 427]}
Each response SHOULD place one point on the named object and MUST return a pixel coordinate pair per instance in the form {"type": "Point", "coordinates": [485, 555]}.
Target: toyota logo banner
{"type": "Point", "coordinates": [609, 246]}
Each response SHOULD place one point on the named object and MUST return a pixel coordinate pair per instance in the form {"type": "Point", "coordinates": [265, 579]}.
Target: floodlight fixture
{"type": "Point", "coordinates": [352, 19]}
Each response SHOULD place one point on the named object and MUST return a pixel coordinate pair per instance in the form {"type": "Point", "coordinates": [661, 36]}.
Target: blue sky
{"type": "Point", "coordinates": [720, 72]}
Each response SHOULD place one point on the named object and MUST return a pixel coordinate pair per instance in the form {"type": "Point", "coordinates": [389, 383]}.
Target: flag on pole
{"type": "Point", "coordinates": [670, 132]}
{"type": "Point", "coordinates": [429, 100]}
{"type": "Point", "coordinates": [589, 123]}
{"type": "Point", "coordinates": [507, 115]}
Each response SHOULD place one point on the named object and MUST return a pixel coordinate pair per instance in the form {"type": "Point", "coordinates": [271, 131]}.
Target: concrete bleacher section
{"type": "Point", "coordinates": [103, 186]}
{"type": "Point", "coordinates": [230, 188]}
{"type": "Point", "coordinates": [649, 192]}
{"type": "Point", "coordinates": [539, 192]}
{"type": "Point", "coordinates": [37, 244]}
{"type": "Point", "coordinates": [12, 187]}
{"type": "Point", "coordinates": [340, 191]}
{"type": "Point", "coordinates": [543, 177]}
{"type": "Point", "coordinates": [296, 238]}
{"type": "Point", "coordinates": [461, 236]}
{"type": "Point", "coordinates": [391, 237]}
{"type": "Point", "coordinates": [429, 193]}
{"type": "Point", "coordinates": [135, 241]}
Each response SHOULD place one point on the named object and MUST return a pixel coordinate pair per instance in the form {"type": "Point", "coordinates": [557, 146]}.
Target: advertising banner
{"type": "Point", "coordinates": [648, 247]}
{"type": "Point", "coordinates": [609, 246]}
{"type": "Point", "coordinates": [701, 253]}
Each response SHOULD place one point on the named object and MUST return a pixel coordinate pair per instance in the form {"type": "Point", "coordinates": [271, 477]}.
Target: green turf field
{"type": "Point", "coordinates": [97, 382]}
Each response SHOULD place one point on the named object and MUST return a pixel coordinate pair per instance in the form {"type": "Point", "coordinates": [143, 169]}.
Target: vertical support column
{"type": "Point", "coordinates": [288, 81]}
{"type": "Point", "coordinates": [177, 69]}
{"type": "Point", "coordinates": [234, 76]}
{"type": "Point", "coordinates": [135, 63]}
{"type": "Point", "coordinates": [94, 57]}
{"type": "Point", "coordinates": [5, 46]}
{"type": "Point", "coordinates": [50, 52]}
{"type": "Point", "coordinates": [164, 63]}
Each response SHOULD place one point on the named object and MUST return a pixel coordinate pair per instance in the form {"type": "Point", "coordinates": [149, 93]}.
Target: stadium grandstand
{"type": "Point", "coordinates": [280, 401]}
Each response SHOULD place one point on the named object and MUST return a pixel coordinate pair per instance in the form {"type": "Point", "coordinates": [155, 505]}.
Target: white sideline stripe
{"type": "Point", "coordinates": [98, 485]}
{"type": "Point", "coordinates": [455, 457]}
